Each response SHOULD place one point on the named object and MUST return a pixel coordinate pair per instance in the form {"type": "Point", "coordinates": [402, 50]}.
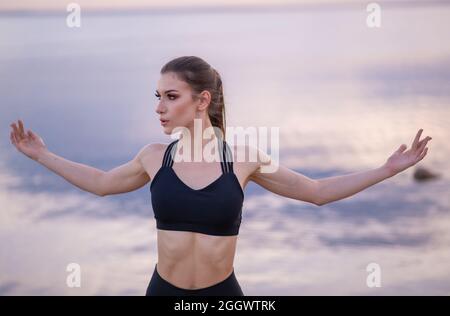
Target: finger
{"type": "Point", "coordinates": [422, 144]}
{"type": "Point", "coordinates": [401, 149]}
{"type": "Point", "coordinates": [11, 137]}
{"type": "Point", "coordinates": [423, 140]}
{"type": "Point", "coordinates": [416, 139]}
{"type": "Point", "coordinates": [16, 141]}
{"type": "Point", "coordinates": [18, 136]}
{"type": "Point", "coordinates": [32, 135]}
{"type": "Point", "coordinates": [22, 132]}
{"type": "Point", "coordinates": [16, 131]}
{"type": "Point", "coordinates": [423, 154]}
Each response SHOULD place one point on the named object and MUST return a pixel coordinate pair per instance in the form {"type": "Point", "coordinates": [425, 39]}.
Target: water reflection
{"type": "Point", "coordinates": [343, 96]}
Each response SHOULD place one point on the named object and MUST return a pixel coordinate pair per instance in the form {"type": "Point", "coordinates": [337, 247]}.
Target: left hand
{"type": "Point", "coordinates": [401, 159]}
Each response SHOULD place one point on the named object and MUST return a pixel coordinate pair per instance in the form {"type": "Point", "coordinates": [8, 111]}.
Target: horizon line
{"type": "Point", "coordinates": [229, 8]}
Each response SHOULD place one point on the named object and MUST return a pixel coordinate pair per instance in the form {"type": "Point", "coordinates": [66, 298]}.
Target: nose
{"type": "Point", "coordinates": [159, 108]}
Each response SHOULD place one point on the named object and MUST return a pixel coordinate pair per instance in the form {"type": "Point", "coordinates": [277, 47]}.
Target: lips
{"type": "Point", "coordinates": [163, 122]}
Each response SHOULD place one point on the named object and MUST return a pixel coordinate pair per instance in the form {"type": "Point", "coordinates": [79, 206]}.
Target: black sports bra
{"type": "Point", "coordinates": [215, 209]}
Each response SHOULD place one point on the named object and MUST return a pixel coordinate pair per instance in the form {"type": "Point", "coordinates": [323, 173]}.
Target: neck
{"type": "Point", "coordinates": [196, 137]}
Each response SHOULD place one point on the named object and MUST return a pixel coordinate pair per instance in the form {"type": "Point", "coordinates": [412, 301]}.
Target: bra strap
{"type": "Point", "coordinates": [227, 162]}
{"type": "Point", "coordinates": [169, 153]}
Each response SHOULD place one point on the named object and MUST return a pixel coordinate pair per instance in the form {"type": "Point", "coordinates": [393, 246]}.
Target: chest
{"type": "Point", "coordinates": [215, 208]}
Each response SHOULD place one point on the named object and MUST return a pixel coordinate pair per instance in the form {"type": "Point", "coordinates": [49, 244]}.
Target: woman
{"type": "Point", "coordinates": [198, 217]}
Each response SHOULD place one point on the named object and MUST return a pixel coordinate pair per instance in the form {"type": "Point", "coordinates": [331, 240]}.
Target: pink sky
{"type": "Point", "coordinates": [130, 4]}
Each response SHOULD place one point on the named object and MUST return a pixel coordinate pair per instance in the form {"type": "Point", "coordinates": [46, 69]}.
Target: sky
{"type": "Point", "coordinates": [32, 5]}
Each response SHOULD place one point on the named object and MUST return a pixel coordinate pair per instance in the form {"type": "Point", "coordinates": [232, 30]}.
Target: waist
{"type": "Point", "coordinates": [195, 250]}
{"type": "Point", "coordinates": [193, 276]}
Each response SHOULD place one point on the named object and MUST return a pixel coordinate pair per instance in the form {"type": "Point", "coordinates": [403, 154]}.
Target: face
{"type": "Point", "coordinates": [176, 105]}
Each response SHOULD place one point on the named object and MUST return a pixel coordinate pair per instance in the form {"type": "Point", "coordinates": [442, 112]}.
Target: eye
{"type": "Point", "coordinates": [171, 96]}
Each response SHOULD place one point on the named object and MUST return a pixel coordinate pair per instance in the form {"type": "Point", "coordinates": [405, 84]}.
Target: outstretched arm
{"type": "Point", "coordinates": [125, 178]}
{"type": "Point", "coordinates": [339, 187]}
{"type": "Point", "coordinates": [288, 183]}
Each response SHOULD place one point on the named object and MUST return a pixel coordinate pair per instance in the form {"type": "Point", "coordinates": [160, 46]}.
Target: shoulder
{"type": "Point", "coordinates": [152, 149]}
{"type": "Point", "coordinates": [250, 155]}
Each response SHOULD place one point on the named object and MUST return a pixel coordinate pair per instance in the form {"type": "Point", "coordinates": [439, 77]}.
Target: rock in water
{"type": "Point", "coordinates": [423, 174]}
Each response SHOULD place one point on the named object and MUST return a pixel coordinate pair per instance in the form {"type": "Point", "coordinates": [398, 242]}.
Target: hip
{"type": "Point", "coordinates": [158, 286]}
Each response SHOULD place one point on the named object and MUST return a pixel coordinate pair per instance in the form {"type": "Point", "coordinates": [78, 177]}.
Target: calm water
{"type": "Point", "coordinates": [344, 97]}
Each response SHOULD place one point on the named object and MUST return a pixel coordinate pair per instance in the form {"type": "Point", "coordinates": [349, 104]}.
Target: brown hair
{"type": "Point", "coordinates": [201, 76]}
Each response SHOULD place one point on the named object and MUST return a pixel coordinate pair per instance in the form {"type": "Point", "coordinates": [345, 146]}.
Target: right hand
{"type": "Point", "coordinates": [29, 143]}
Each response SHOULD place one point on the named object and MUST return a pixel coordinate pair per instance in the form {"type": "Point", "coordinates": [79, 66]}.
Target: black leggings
{"type": "Point", "coordinates": [160, 287]}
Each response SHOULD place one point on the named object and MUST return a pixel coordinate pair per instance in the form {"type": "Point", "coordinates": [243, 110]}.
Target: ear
{"type": "Point", "coordinates": [205, 100]}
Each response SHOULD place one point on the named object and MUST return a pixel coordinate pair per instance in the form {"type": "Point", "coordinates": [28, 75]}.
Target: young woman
{"type": "Point", "coordinates": [198, 203]}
